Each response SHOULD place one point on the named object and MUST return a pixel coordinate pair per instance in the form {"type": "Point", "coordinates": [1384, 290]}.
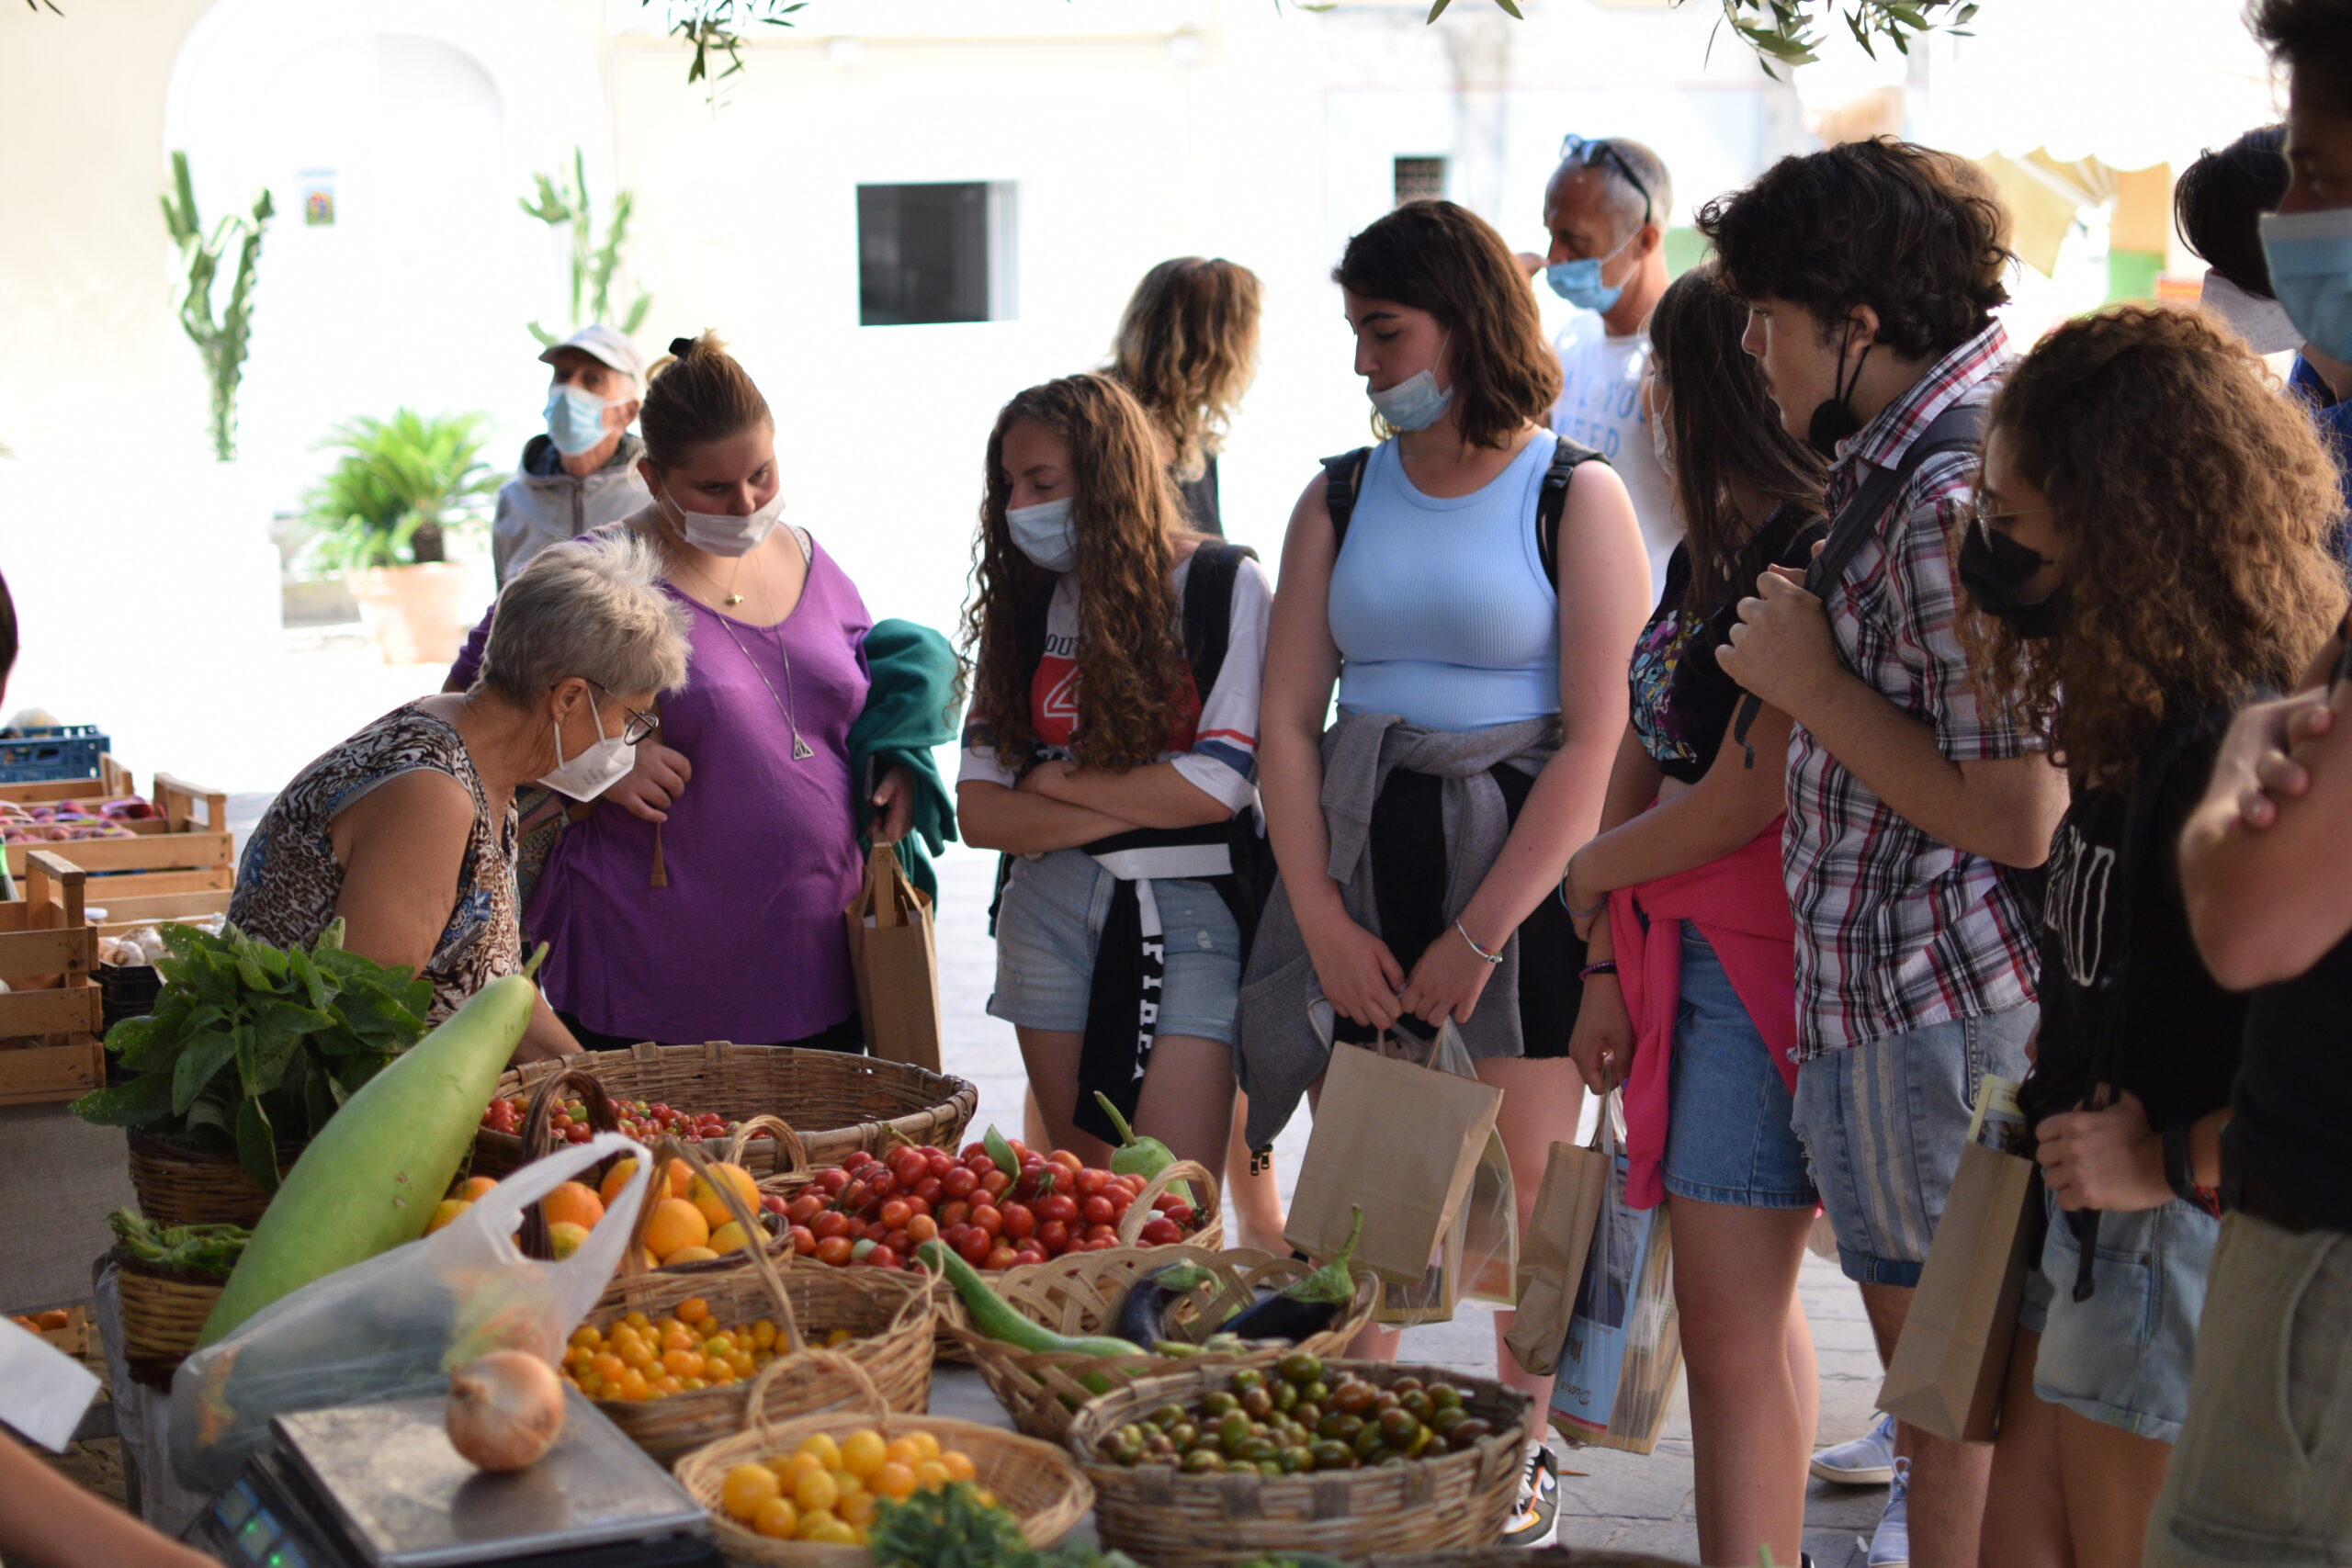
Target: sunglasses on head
{"type": "Point", "coordinates": [1587, 152]}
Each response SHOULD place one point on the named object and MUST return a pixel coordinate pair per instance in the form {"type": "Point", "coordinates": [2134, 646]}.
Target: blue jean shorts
{"type": "Point", "coordinates": [1882, 1124]}
{"type": "Point", "coordinates": [2124, 1355]}
{"type": "Point", "coordinates": [1051, 920]}
{"type": "Point", "coordinates": [1728, 1138]}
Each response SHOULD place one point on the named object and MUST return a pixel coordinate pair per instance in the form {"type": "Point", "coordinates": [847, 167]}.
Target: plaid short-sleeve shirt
{"type": "Point", "coordinates": [1895, 929]}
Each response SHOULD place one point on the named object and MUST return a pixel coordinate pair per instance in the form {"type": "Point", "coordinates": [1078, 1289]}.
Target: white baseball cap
{"type": "Point", "coordinates": [606, 343]}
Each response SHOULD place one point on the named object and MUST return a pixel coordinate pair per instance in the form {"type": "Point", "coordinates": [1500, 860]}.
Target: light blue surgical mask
{"type": "Point", "coordinates": [1414, 403]}
{"type": "Point", "coordinates": [575, 420]}
{"type": "Point", "coordinates": [2310, 272]}
{"type": "Point", "coordinates": [1579, 282]}
{"type": "Point", "coordinates": [1043, 533]}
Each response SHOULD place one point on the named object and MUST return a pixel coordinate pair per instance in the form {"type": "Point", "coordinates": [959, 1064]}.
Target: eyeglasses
{"type": "Point", "coordinates": [638, 726]}
{"type": "Point", "coordinates": [1973, 515]}
{"type": "Point", "coordinates": [1586, 151]}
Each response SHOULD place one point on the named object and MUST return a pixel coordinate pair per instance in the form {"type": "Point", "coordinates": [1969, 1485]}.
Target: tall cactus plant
{"type": "Point", "coordinates": [593, 265]}
{"type": "Point", "coordinates": [223, 342]}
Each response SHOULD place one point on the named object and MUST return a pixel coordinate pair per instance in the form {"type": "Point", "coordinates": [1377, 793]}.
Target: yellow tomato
{"type": "Point", "coordinates": [693, 1309]}
{"type": "Point", "coordinates": [821, 1445]}
{"type": "Point", "coordinates": [746, 1489]}
{"type": "Point", "coordinates": [763, 1335]}
{"type": "Point", "coordinates": [865, 1453]}
{"type": "Point", "coordinates": [931, 1475]}
{"type": "Point", "coordinates": [815, 1490]}
{"type": "Point", "coordinates": [811, 1521]}
{"type": "Point", "coordinates": [895, 1480]}
{"type": "Point", "coordinates": [902, 1450]}
{"type": "Point", "coordinates": [926, 1446]}
{"type": "Point", "coordinates": [776, 1519]}
{"type": "Point", "coordinates": [855, 1508]}
{"type": "Point", "coordinates": [958, 1463]}
{"type": "Point", "coordinates": [832, 1532]}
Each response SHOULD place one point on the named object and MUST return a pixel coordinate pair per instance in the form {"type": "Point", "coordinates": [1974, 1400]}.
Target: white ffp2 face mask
{"type": "Point", "coordinates": [1045, 532]}
{"type": "Point", "coordinates": [719, 534]}
{"type": "Point", "coordinates": [596, 769]}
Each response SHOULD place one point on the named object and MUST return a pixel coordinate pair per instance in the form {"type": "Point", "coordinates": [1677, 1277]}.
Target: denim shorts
{"type": "Point", "coordinates": [1882, 1124]}
{"type": "Point", "coordinates": [2122, 1357]}
{"type": "Point", "coordinates": [1048, 926]}
{"type": "Point", "coordinates": [1728, 1138]}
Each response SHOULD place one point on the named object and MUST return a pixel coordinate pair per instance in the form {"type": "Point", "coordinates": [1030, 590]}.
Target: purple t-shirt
{"type": "Point", "coordinates": [746, 942]}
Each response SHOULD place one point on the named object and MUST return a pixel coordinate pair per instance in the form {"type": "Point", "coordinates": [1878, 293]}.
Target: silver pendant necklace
{"type": "Point", "coordinates": [783, 705]}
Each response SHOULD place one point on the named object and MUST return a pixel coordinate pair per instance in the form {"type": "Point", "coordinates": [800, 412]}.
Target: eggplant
{"type": "Point", "coordinates": [1141, 1316]}
{"type": "Point", "coordinates": [1307, 1305]}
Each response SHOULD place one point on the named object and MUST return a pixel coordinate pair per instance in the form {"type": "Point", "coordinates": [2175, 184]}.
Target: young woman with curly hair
{"type": "Point", "coordinates": [1109, 781]}
{"type": "Point", "coordinates": [1479, 654]}
{"type": "Point", "coordinates": [1188, 349]}
{"type": "Point", "coordinates": [2147, 552]}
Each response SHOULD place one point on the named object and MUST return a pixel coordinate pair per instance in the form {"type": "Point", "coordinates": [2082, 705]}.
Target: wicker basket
{"type": "Point", "coordinates": [888, 1314]}
{"type": "Point", "coordinates": [1208, 1234]}
{"type": "Point", "coordinates": [181, 1185]}
{"type": "Point", "coordinates": [1174, 1520]}
{"type": "Point", "coordinates": [162, 1310]}
{"type": "Point", "coordinates": [777, 1239]}
{"type": "Point", "coordinates": [1081, 1293]}
{"type": "Point", "coordinates": [1033, 1480]}
{"type": "Point", "coordinates": [1553, 1556]}
{"type": "Point", "coordinates": [836, 1101]}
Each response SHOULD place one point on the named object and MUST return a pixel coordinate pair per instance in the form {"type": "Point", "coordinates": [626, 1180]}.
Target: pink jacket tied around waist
{"type": "Point", "coordinates": [1741, 906]}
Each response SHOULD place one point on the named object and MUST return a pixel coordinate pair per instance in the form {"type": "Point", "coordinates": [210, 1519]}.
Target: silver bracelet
{"type": "Point", "coordinates": [1492, 958]}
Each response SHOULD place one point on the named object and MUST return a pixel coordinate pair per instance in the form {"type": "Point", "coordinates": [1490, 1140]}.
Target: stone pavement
{"type": "Point", "coordinates": [1633, 1503]}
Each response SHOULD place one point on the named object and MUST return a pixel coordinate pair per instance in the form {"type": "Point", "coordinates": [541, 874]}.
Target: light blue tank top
{"type": "Point", "coordinates": [1440, 607]}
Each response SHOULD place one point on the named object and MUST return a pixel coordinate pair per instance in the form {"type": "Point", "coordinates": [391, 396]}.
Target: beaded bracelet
{"type": "Point", "coordinates": [1492, 958]}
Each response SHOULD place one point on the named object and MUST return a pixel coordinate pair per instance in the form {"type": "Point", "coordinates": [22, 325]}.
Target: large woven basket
{"type": "Point", "coordinates": [1553, 1556]}
{"type": "Point", "coordinates": [887, 1313]}
{"type": "Point", "coordinates": [1174, 1520]}
{"type": "Point", "coordinates": [835, 1101]}
{"type": "Point", "coordinates": [180, 1186]}
{"type": "Point", "coordinates": [1035, 1482]}
{"type": "Point", "coordinates": [162, 1312]}
{"type": "Point", "coordinates": [1081, 1293]}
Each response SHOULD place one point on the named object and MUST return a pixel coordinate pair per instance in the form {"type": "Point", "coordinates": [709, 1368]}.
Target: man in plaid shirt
{"type": "Point", "coordinates": [1915, 817]}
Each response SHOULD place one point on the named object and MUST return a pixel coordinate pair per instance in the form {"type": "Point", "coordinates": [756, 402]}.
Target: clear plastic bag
{"type": "Point", "coordinates": [395, 1326]}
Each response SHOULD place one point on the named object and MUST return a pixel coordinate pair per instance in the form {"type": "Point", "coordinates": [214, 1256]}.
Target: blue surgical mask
{"type": "Point", "coordinates": [1043, 533]}
{"type": "Point", "coordinates": [1414, 403]}
{"type": "Point", "coordinates": [575, 420]}
{"type": "Point", "coordinates": [1579, 282]}
{"type": "Point", "coordinates": [2310, 272]}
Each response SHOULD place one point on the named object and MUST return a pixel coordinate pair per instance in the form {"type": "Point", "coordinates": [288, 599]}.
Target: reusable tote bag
{"type": "Point", "coordinates": [894, 955]}
{"type": "Point", "coordinates": [1552, 1254]}
{"type": "Point", "coordinates": [1623, 1347]}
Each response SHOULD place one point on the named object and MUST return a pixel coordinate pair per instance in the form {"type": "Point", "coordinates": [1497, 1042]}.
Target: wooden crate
{"type": "Point", "coordinates": [75, 1336]}
{"type": "Point", "coordinates": [186, 848]}
{"type": "Point", "coordinates": [114, 782]}
{"type": "Point", "coordinates": [49, 949]}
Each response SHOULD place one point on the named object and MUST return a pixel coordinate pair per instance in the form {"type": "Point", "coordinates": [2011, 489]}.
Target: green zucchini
{"type": "Point", "coordinates": [993, 1317]}
{"type": "Point", "coordinates": [370, 1180]}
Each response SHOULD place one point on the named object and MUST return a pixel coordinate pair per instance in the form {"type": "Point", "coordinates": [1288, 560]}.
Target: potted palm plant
{"type": "Point", "coordinates": [383, 517]}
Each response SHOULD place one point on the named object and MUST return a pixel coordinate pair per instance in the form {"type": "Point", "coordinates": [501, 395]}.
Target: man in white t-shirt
{"type": "Point", "coordinates": [1606, 209]}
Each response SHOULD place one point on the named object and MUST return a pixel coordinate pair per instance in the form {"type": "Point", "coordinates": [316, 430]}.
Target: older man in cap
{"type": "Point", "coordinates": [583, 473]}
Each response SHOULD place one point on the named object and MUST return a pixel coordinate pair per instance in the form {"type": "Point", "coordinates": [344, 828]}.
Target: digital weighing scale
{"type": "Point", "coordinates": [379, 1486]}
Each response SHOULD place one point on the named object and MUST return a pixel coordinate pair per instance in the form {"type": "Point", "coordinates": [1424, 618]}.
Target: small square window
{"type": "Point", "coordinates": [1420, 179]}
{"type": "Point", "coordinates": [935, 253]}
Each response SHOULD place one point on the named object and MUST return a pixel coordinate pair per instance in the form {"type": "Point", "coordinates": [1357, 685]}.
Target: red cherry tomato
{"type": "Point", "coordinates": [804, 1241]}
{"type": "Point", "coordinates": [833, 1250]}
{"type": "Point", "coordinates": [856, 1159]}
{"type": "Point", "coordinates": [1000, 1257]}
{"type": "Point", "coordinates": [960, 1182]}
{"type": "Point", "coordinates": [928, 1187]}
{"type": "Point", "coordinates": [973, 1150]}
{"type": "Point", "coordinates": [1059, 1206]}
{"type": "Point", "coordinates": [994, 1183]}
{"type": "Point", "coordinates": [882, 1257]}
{"type": "Point", "coordinates": [921, 1228]}
{"type": "Point", "coordinates": [1068, 1161]}
{"type": "Point", "coordinates": [805, 1208]}
{"type": "Point", "coordinates": [976, 1246]}
{"type": "Point", "coordinates": [1092, 1180]}
{"type": "Point", "coordinates": [832, 1222]}
{"type": "Point", "coordinates": [1096, 1210]}
{"type": "Point", "coordinates": [1028, 1256]}
{"type": "Point", "coordinates": [952, 1214]}
{"type": "Point", "coordinates": [1181, 1213]}
{"type": "Point", "coordinates": [895, 1214]}
{"type": "Point", "coordinates": [1054, 1237]}
{"type": "Point", "coordinates": [1160, 1232]}
{"type": "Point", "coordinates": [880, 1183]}
{"type": "Point", "coordinates": [1020, 1219]}
{"type": "Point", "coordinates": [832, 1180]}
{"type": "Point", "coordinates": [939, 1161]}
{"type": "Point", "coordinates": [1102, 1233]}
{"type": "Point", "coordinates": [989, 1218]}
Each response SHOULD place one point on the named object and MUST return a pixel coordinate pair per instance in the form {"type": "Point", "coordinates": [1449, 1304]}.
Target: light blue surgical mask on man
{"type": "Point", "coordinates": [575, 420]}
{"type": "Point", "coordinates": [1414, 403]}
{"type": "Point", "coordinates": [2310, 272]}
{"type": "Point", "coordinates": [1045, 534]}
{"type": "Point", "coordinates": [1579, 282]}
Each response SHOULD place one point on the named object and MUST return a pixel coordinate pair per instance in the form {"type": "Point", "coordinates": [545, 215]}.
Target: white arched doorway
{"type": "Point", "coordinates": [421, 124]}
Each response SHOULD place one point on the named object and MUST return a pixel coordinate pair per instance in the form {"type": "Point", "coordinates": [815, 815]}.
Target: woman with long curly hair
{"type": "Point", "coordinates": [2146, 554]}
{"type": "Point", "coordinates": [1108, 761]}
{"type": "Point", "coordinates": [1188, 349]}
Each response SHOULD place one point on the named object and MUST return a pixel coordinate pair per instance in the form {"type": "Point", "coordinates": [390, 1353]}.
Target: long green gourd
{"type": "Point", "coordinates": [370, 1180]}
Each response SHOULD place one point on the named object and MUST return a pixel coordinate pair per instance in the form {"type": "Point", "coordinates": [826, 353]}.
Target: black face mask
{"type": "Point", "coordinates": [1834, 419]}
{"type": "Point", "coordinates": [1994, 568]}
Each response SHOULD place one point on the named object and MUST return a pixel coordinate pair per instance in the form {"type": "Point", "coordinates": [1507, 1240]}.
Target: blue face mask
{"type": "Point", "coordinates": [2310, 272]}
{"type": "Point", "coordinates": [1579, 282]}
{"type": "Point", "coordinates": [1043, 533]}
{"type": "Point", "coordinates": [1414, 403]}
{"type": "Point", "coordinates": [575, 420]}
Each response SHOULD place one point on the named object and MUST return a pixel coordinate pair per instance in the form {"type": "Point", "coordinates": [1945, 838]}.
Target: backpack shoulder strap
{"type": "Point", "coordinates": [1208, 609]}
{"type": "Point", "coordinates": [1960, 426]}
{"type": "Point", "coordinates": [1343, 480]}
{"type": "Point", "coordinates": [1551, 500]}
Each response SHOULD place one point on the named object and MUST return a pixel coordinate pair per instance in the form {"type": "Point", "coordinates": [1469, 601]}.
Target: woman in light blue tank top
{"type": "Point", "coordinates": [1481, 698]}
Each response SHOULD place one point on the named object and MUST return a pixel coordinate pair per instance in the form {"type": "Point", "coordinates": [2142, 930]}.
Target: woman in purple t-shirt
{"type": "Point", "coordinates": [704, 902]}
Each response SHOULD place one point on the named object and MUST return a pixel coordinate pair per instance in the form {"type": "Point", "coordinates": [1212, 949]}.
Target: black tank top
{"type": "Point", "coordinates": [2292, 1129]}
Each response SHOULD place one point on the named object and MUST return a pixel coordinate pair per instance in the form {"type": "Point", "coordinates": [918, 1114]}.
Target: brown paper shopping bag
{"type": "Point", "coordinates": [894, 954]}
{"type": "Point", "coordinates": [1552, 1254]}
{"type": "Point", "coordinates": [1949, 1365]}
{"type": "Point", "coordinates": [1402, 1142]}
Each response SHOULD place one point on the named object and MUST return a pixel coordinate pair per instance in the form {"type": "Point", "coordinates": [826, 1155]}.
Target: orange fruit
{"type": "Point", "coordinates": [746, 1489]}
{"type": "Point", "coordinates": [706, 1197]}
{"type": "Point", "coordinates": [575, 1203]}
{"type": "Point", "coordinates": [689, 1255]}
{"type": "Point", "coordinates": [474, 1189]}
{"type": "Point", "coordinates": [895, 1480]}
{"type": "Point", "coordinates": [615, 1181]}
{"type": "Point", "coordinates": [777, 1520]}
{"type": "Point", "coordinates": [729, 1237]}
{"type": "Point", "coordinates": [676, 1223]}
{"type": "Point", "coordinates": [565, 1238]}
{"type": "Point", "coordinates": [444, 1212]}
{"type": "Point", "coordinates": [958, 1463]}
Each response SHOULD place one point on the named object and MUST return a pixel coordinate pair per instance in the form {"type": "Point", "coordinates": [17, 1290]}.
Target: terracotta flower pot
{"type": "Point", "coordinates": [414, 614]}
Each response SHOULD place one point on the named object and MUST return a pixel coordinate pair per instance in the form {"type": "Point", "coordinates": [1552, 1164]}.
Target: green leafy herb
{"type": "Point", "coordinates": [207, 1250]}
{"type": "Point", "coordinates": [953, 1528]}
{"type": "Point", "coordinates": [251, 1043]}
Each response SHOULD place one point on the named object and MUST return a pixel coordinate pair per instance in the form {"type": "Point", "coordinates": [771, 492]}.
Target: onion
{"type": "Point", "coordinates": [505, 1410]}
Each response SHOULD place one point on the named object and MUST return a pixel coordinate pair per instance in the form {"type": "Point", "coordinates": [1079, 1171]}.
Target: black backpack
{"type": "Point", "coordinates": [1343, 479]}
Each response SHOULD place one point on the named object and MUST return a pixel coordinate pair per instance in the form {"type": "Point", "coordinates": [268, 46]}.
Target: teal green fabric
{"type": "Point", "coordinates": [912, 708]}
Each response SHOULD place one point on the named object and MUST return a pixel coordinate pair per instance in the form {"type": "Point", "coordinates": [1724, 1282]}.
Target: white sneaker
{"type": "Point", "coordinates": [1891, 1542]}
{"type": "Point", "coordinates": [1536, 1518]}
{"type": "Point", "coordinates": [1867, 1461]}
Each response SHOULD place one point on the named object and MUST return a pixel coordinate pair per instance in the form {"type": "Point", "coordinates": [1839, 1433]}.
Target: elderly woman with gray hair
{"type": "Point", "coordinates": [406, 830]}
